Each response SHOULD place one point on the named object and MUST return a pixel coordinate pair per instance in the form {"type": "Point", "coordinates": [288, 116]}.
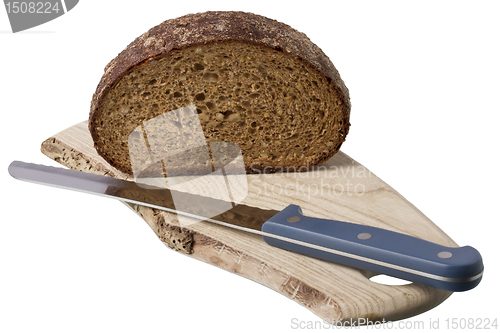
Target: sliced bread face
{"type": "Point", "coordinates": [254, 82]}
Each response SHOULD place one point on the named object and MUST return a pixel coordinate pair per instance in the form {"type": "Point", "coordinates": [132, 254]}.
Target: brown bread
{"type": "Point", "coordinates": [254, 82]}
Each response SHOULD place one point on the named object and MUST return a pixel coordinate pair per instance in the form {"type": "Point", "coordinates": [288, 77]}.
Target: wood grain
{"type": "Point", "coordinates": [340, 189]}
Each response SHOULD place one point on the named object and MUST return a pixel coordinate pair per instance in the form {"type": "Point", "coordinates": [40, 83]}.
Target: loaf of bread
{"type": "Point", "coordinates": [253, 81]}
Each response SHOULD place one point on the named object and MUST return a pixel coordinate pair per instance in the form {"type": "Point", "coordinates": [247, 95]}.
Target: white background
{"type": "Point", "coordinates": [424, 79]}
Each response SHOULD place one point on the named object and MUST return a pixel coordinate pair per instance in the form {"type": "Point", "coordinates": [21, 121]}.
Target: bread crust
{"type": "Point", "coordinates": [217, 26]}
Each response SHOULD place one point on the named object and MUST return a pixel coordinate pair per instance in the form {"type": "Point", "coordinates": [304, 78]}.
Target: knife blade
{"type": "Point", "coordinates": [360, 246]}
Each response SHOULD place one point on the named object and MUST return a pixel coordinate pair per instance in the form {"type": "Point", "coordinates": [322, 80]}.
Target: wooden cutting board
{"type": "Point", "coordinates": [341, 189]}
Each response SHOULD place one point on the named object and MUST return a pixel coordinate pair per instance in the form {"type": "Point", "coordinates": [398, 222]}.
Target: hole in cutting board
{"type": "Point", "coordinates": [389, 280]}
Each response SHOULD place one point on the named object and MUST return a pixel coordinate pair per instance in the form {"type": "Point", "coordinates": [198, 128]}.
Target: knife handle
{"type": "Point", "coordinates": [374, 249]}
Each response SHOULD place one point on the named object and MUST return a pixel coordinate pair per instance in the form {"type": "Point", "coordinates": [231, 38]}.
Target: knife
{"type": "Point", "coordinates": [360, 246]}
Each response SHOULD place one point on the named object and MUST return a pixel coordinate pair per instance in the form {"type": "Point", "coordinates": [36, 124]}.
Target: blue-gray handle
{"type": "Point", "coordinates": [374, 249]}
